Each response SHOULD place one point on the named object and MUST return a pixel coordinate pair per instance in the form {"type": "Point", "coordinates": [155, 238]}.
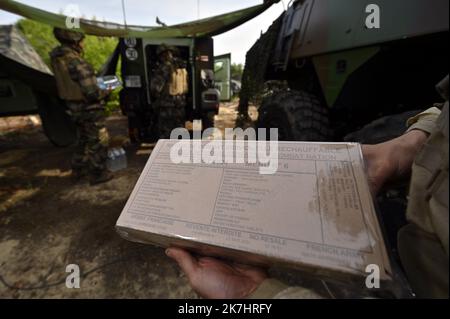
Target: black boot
{"type": "Point", "coordinates": [103, 177]}
{"type": "Point", "coordinates": [78, 174]}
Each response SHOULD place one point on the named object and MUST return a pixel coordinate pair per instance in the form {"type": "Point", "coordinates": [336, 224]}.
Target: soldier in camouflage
{"type": "Point", "coordinates": [77, 85]}
{"type": "Point", "coordinates": [168, 92]}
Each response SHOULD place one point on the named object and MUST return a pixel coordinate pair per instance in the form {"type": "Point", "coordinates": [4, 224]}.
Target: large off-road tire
{"type": "Point", "coordinates": [382, 130]}
{"type": "Point", "coordinates": [298, 115]}
{"type": "Point", "coordinates": [56, 123]}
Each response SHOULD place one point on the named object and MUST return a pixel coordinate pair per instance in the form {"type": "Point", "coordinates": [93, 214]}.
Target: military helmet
{"type": "Point", "coordinates": [64, 35]}
{"type": "Point", "coordinates": [164, 48]}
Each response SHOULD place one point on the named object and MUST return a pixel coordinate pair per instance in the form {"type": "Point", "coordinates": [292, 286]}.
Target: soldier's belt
{"type": "Point", "coordinates": [178, 97]}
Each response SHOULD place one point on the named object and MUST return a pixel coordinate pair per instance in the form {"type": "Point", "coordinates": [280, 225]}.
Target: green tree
{"type": "Point", "coordinates": [40, 36]}
{"type": "Point", "coordinates": [96, 49]}
{"type": "Point", "coordinates": [236, 71]}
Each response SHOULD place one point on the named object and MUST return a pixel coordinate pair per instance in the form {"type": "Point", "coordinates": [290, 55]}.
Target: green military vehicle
{"type": "Point", "coordinates": [139, 58]}
{"type": "Point", "coordinates": [209, 77]}
{"type": "Point", "coordinates": [322, 73]}
{"type": "Point", "coordinates": [324, 69]}
{"type": "Point", "coordinates": [137, 50]}
{"type": "Point", "coordinates": [27, 86]}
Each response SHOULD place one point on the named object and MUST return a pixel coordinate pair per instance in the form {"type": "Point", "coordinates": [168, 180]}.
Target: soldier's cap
{"type": "Point", "coordinates": [164, 48]}
{"type": "Point", "coordinates": [68, 36]}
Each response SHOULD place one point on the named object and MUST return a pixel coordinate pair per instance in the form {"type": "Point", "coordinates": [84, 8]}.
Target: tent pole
{"type": "Point", "coordinates": [124, 14]}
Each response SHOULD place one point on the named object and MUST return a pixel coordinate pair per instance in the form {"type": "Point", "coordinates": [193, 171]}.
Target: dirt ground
{"type": "Point", "coordinates": [48, 222]}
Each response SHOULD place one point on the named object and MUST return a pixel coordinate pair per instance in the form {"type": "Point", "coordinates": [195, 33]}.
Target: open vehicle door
{"type": "Point", "coordinates": [222, 70]}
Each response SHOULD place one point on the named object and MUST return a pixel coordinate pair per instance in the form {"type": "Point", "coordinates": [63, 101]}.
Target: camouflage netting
{"type": "Point", "coordinates": [19, 60]}
{"type": "Point", "coordinates": [257, 61]}
{"type": "Point", "coordinates": [14, 46]}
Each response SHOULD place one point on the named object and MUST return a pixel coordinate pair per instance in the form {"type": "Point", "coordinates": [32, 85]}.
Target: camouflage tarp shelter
{"type": "Point", "coordinates": [201, 28]}
{"type": "Point", "coordinates": [27, 86]}
{"type": "Point", "coordinates": [19, 60]}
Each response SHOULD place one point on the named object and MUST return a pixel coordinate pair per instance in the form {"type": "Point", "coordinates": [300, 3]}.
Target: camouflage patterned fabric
{"type": "Point", "coordinates": [92, 148]}
{"type": "Point", "coordinates": [87, 113]}
{"type": "Point", "coordinates": [68, 36]}
{"type": "Point", "coordinates": [171, 109]}
{"type": "Point", "coordinates": [73, 73]}
{"type": "Point", "coordinates": [14, 46]}
{"type": "Point", "coordinates": [172, 115]}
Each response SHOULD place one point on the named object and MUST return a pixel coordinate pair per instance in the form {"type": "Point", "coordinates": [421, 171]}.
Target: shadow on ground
{"type": "Point", "coordinates": [48, 222]}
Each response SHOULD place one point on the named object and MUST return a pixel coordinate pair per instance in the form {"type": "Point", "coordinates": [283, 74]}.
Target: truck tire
{"type": "Point", "coordinates": [382, 130]}
{"type": "Point", "coordinates": [298, 115]}
{"type": "Point", "coordinates": [56, 123]}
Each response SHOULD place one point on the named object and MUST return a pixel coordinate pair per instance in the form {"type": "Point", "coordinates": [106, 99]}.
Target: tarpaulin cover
{"type": "Point", "coordinates": [206, 27]}
{"type": "Point", "coordinates": [20, 61]}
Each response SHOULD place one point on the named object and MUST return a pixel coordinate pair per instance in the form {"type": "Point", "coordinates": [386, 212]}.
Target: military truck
{"type": "Point", "coordinates": [27, 86]}
{"type": "Point", "coordinates": [139, 59]}
{"type": "Point", "coordinates": [137, 48]}
{"type": "Point", "coordinates": [322, 70]}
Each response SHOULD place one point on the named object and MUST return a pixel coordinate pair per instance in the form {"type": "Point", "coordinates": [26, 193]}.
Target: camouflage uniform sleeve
{"type": "Point", "coordinates": [83, 73]}
{"type": "Point", "coordinates": [274, 289]}
{"type": "Point", "coordinates": [160, 79]}
{"type": "Point", "coordinates": [425, 121]}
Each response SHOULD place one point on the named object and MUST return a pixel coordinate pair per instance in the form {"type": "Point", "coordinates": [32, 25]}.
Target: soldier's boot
{"type": "Point", "coordinates": [78, 175]}
{"type": "Point", "coordinates": [79, 172]}
{"type": "Point", "coordinates": [244, 121]}
{"type": "Point", "coordinates": [100, 178]}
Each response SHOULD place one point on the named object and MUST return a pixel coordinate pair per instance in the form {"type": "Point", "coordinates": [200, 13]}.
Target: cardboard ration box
{"type": "Point", "coordinates": [315, 213]}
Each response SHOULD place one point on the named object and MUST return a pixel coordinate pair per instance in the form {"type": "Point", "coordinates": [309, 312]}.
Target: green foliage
{"type": "Point", "coordinates": [96, 49]}
{"type": "Point", "coordinates": [40, 36]}
{"type": "Point", "coordinates": [236, 71]}
{"type": "Point", "coordinates": [113, 104]}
